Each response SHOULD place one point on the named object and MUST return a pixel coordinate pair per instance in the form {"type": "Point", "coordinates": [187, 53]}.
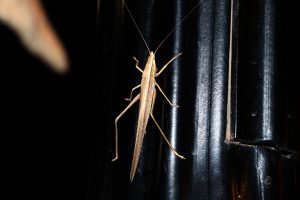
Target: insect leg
{"type": "Point", "coordinates": [116, 123]}
{"type": "Point", "coordinates": [166, 65]}
{"type": "Point", "coordinates": [136, 87]}
{"type": "Point", "coordinates": [166, 139]}
{"type": "Point", "coordinates": [137, 65]}
{"type": "Point", "coordinates": [153, 100]}
{"type": "Point", "coordinates": [162, 133]}
{"type": "Point", "coordinates": [165, 95]}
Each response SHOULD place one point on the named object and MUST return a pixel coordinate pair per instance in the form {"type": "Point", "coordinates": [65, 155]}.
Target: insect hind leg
{"type": "Point", "coordinates": [116, 124]}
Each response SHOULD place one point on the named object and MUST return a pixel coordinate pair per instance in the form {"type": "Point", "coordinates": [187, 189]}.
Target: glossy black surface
{"type": "Point", "coordinates": [264, 73]}
{"type": "Point", "coordinates": [260, 172]}
{"type": "Point", "coordinates": [197, 81]}
{"type": "Point", "coordinates": [264, 161]}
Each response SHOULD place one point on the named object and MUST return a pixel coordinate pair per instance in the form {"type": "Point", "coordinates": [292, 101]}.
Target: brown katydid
{"type": "Point", "coordinates": [147, 97]}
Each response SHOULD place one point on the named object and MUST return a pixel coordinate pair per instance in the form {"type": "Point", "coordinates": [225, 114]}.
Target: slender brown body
{"type": "Point", "coordinates": [146, 101]}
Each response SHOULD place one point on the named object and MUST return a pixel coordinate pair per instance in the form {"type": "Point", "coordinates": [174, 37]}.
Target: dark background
{"type": "Point", "coordinates": [260, 160]}
{"type": "Point", "coordinates": [46, 119]}
{"type": "Point", "coordinates": [51, 148]}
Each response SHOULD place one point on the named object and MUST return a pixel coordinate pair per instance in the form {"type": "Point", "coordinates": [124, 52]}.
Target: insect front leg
{"type": "Point", "coordinates": [116, 124]}
{"type": "Point", "coordinates": [137, 65]}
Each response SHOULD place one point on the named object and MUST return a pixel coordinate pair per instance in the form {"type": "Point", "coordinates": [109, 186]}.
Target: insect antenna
{"type": "Point", "coordinates": [181, 21]}
{"type": "Point", "coordinates": [136, 25]}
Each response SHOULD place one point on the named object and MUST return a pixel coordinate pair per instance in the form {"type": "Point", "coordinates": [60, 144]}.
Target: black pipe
{"type": "Point", "coordinates": [215, 166]}
{"type": "Point", "coordinates": [264, 150]}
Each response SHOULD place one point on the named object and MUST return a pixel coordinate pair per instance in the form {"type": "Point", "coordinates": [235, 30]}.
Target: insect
{"type": "Point", "coordinates": [147, 98]}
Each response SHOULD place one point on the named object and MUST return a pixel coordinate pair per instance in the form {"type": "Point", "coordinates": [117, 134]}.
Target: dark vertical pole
{"type": "Point", "coordinates": [201, 123]}
{"type": "Point", "coordinates": [256, 161]}
{"type": "Point", "coordinates": [259, 72]}
{"type": "Point", "coordinates": [264, 162]}
{"type": "Point", "coordinates": [197, 81]}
